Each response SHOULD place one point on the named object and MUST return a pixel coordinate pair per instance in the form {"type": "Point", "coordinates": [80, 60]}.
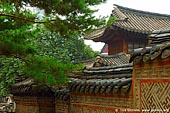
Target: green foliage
{"type": "Point", "coordinates": [9, 69]}
{"type": "Point", "coordinates": [13, 33]}
{"type": "Point", "coordinates": [52, 63]}
{"type": "Point", "coordinates": [42, 69]}
{"type": "Point", "coordinates": [67, 17]}
{"type": "Point", "coordinates": [18, 33]}
{"type": "Point", "coordinates": [13, 42]}
{"type": "Point", "coordinates": [47, 70]}
{"type": "Point", "coordinates": [111, 20]}
{"type": "Point", "coordinates": [64, 50]}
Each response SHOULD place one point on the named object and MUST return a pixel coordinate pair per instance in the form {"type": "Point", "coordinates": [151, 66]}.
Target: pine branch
{"type": "Point", "coordinates": [21, 18]}
{"type": "Point", "coordinates": [19, 57]}
{"type": "Point", "coordinates": [15, 56]}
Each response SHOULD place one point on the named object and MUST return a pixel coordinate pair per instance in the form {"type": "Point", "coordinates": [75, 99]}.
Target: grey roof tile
{"type": "Point", "coordinates": [111, 60]}
{"type": "Point", "coordinates": [159, 37]}
{"type": "Point", "coordinates": [30, 87]}
{"type": "Point", "coordinates": [102, 86]}
{"type": "Point", "coordinates": [114, 70]}
{"type": "Point", "coordinates": [161, 50]}
{"type": "Point", "coordinates": [133, 20]}
{"type": "Point", "coordinates": [63, 94]}
{"type": "Point", "coordinates": [141, 21]}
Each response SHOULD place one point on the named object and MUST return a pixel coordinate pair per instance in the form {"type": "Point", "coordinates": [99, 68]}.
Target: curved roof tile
{"type": "Point", "coordinates": [102, 86]}
{"type": "Point", "coordinates": [160, 46]}
{"type": "Point", "coordinates": [140, 21]}
{"type": "Point", "coordinates": [63, 95]}
{"type": "Point", "coordinates": [30, 87]}
{"type": "Point", "coordinates": [133, 20]}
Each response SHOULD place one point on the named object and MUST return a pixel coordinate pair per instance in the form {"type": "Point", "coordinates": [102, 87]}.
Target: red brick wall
{"type": "Point", "coordinates": [61, 106]}
{"type": "Point", "coordinates": [28, 104]}
{"type": "Point", "coordinates": [100, 103]}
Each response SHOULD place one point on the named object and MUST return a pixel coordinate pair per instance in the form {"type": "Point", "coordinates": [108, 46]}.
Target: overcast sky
{"type": "Point", "coordinates": [157, 6]}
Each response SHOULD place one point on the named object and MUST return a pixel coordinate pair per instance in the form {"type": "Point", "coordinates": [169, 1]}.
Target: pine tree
{"type": "Point", "coordinates": [68, 18]}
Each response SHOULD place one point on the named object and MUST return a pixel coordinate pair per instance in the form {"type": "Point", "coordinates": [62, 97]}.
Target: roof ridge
{"type": "Point", "coordinates": [120, 14]}
{"type": "Point", "coordinates": [141, 12]}
{"type": "Point", "coordinates": [112, 56]}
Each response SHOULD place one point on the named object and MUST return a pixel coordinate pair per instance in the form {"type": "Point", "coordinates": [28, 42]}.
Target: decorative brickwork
{"type": "Point", "coordinates": [155, 96]}
{"type": "Point", "coordinates": [151, 86]}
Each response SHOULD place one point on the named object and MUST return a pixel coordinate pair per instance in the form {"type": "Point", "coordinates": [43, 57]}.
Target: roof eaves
{"type": "Point", "coordinates": [131, 29]}
{"type": "Point", "coordinates": [142, 12]}
{"type": "Point", "coordinates": [95, 34]}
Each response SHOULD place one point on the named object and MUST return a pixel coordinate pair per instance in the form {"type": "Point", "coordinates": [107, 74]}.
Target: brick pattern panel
{"type": "Point", "coordinates": [156, 72]}
{"type": "Point", "coordinates": [155, 96]}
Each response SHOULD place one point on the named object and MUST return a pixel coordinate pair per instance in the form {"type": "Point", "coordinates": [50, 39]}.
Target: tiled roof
{"type": "Point", "coordinates": [119, 68]}
{"type": "Point", "coordinates": [30, 87]}
{"type": "Point", "coordinates": [115, 78]}
{"type": "Point", "coordinates": [108, 86]}
{"type": "Point", "coordinates": [63, 94]}
{"type": "Point", "coordinates": [95, 34]}
{"type": "Point", "coordinates": [88, 63]}
{"type": "Point", "coordinates": [159, 36]}
{"type": "Point", "coordinates": [111, 60]}
{"type": "Point", "coordinates": [161, 51]}
{"type": "Point", "coordinates": [110, 79]}
{"type": "Point", "coordinates": [101, 80]}
{"type": "Point", "coordinates": [22, 87]}
{"type": "Point", "coordinates": [140, 21]}
{"type": "Point", "coordinates": [108, 72]}
{"type": "Point", "coordinates": [134, 20]}
{"type": "Point", "coordinates": [99, 33]}
{"type": "Point", "coordinates": [122, 69]}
